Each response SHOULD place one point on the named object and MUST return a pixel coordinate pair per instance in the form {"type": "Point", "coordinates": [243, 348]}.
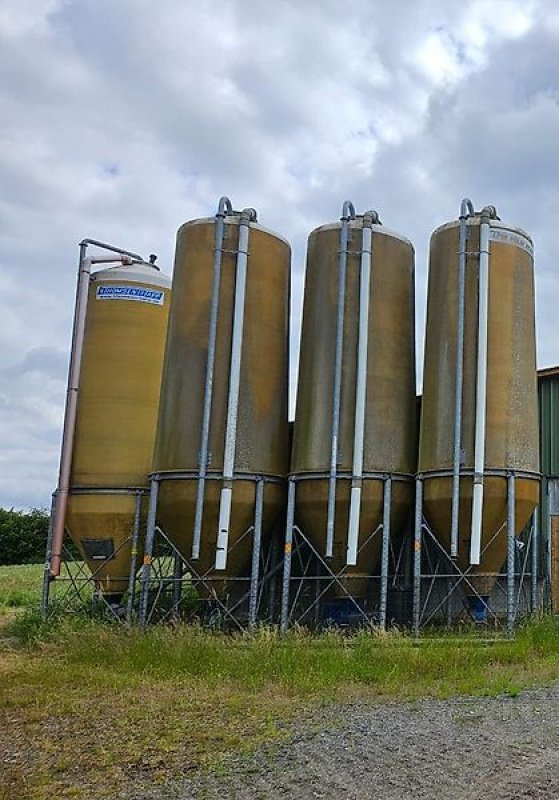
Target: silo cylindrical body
{"type": "Point", "coordinates": [118, 398]}
{"type": "Point", "coordinates": [511, 411]}
{"type": "Point", "coordinates": [390, 429]}
{"type": "Point", "coordinates": [261, 440]}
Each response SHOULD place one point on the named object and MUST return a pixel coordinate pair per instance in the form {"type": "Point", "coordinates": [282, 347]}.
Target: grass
{"type": "Point", "coordinates": [95, 710]}
{"type": "Point", "coordinates": [20, 586]}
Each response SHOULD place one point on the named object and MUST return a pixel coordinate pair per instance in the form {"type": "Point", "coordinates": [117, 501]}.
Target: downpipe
{"type": "Point", "coordinates": [247, 216]}
{"type": "Point", "coordinates": [348, 213]}
{"type": "Point", "coordinates": [224, 208]}
{"type": "Point", "coordinates": [466, 211]}
{"type": "Point", "coordinates": [487, 214]}
{"type": "Point", "coordinates": [370, 218]}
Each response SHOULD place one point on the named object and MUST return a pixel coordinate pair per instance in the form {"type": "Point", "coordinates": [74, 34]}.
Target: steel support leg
{"type": "Point", "coordinates": [47, 580]}
{"type": "Point", "coordinates": [256, 550]}
{"type": "Point", "coordinates": [134, 558]}
{"type": "Point", "coordinates": [449, 596]}
{"type": "Point", "coordinates": [534, 554]}
{"type": "Point", "coordinates": [416, 608]}
{"type": "Point", "coordinates": [284, 617]}
{"type": "Point", "coordinates": [387, 506]}
{"type": "Point", "coordinates": [177, 582]}
{"type": "Point", "coordinates": [272, 580]}
{"type": "Point", "coordinates": [148, 550]}
{"type": "Point", "coordinates": [511, 540]}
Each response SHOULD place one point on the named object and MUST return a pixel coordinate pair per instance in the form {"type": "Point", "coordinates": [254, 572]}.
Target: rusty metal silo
{"type": "Point", "coordinates": [478, 458]}
{"type": "Point", "coordinates": [354, 451]}
{"type": "Point", "coordinates": [221, 455]}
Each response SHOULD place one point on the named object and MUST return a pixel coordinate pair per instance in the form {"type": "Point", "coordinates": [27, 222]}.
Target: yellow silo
{"type": "Point", "coordinates": [118, 398]}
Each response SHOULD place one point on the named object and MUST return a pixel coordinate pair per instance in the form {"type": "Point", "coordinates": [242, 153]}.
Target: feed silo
{"type": "Point", "coordinates": [223, 430]}
{"type": "Point", "coordinates": [478, 458]}
{"type": "Point", "coordinates": [111, 413]}
{"type": "Point", "coordinates": [355, 448]}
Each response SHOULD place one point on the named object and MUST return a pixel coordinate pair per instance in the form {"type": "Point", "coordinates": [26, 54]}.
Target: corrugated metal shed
{"type": "Point", "coordinates": [548, 392]}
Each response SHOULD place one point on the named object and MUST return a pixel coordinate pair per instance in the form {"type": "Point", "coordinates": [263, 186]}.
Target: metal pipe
{"type": "Point", "coordinates": [111, 248]}
{"type": "Point", "coordinates": [70, 411]}
{"type": "Point", "coordinates": [272, 578]}
{"type": "Point", "coordinates": [369, 218]}
{"type": "Point", "coordinates": [511, 541]}
{"type": "Point", "coordinates": [348, 212]}
{"type": "Point", "coordinates": [224, 208]}
{"type": "Point", "coordinates": [177, 582]}
{"type": "Point", "coordinates": [247, 216]}
{"type": "Point", "coordinates": [287, 553]}
{"type": "Point", "coordinates": [481, 385]}
{"type": "Point", "coordinates": [417, 556]}
{"type": "Point", "coordinates": [387, 507]}
{"type": "Point", "coordinates": [148, 550]}
{"type": "Point", "coordinates": [47, 578]}
{"type": "Point", "coordinates": [256, 548]}
{"type": "Point", "coordinates": [466, 210]}
{"type": "Point", "coordinates": [534, 560]}
{"type": "Point", "coordinates": [134, 558]}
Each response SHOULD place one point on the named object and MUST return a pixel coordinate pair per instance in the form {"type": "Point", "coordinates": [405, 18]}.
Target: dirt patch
{"type": "Point", "coordinates": [503, 748]}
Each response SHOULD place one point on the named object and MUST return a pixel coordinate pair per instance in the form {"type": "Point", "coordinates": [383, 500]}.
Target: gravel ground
{"type": "Point", "coordinates": [464, 749]}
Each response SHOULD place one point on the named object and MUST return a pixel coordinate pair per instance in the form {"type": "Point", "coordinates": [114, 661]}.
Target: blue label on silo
{"type": "Point", "coordinates": [142, 294]}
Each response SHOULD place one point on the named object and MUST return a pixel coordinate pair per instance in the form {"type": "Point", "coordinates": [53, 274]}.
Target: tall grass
{"type": "Point", "coordinates": [100, 705]}
{"type": "Point", "coordinates": [20, 585]}
{"type": "Point", "coordinates": [391, 664]}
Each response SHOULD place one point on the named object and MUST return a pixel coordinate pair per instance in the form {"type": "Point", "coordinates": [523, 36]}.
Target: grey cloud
{"type": "Point", "coordinates": [125, 119]}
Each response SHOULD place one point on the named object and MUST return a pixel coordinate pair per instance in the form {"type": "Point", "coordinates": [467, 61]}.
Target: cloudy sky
{"type": "Point", "coordinates": [123, 118]}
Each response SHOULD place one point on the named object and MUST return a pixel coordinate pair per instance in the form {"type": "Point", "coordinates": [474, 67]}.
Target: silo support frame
{"type": "Point", "coordinates": [263, 570]}
{"type": "Point", "coordinates": [516, 588]}
{"type": "Point", "coordinates": [297, 543]}
{"type": "Point", "coordinates": [78, 580]}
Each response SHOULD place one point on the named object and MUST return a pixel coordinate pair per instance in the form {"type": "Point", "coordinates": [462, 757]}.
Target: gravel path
{"type": "Point", "coordinates": [462, 749]}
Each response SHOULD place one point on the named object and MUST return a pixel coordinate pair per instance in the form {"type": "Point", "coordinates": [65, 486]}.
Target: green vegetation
{"type": "Point", "coordinates": [23, 535]}
{"type": "Point", "coordinates": [95, 710]}
{"type": "Point", "coordinates": [102, 706]}
{"type": "Point", "coordinates": [20, 585]}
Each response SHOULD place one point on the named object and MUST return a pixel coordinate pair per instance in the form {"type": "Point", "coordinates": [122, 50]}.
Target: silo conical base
{"type": "Point", "coordinates": [437, 497]}
{"type": "Point", "coordinates": [101, 526]}
{"type": "Point", "coordinates": [176, 511]}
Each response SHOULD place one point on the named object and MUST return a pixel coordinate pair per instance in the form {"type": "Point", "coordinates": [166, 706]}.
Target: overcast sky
{"type": "Point", "coordinates": [121, 119]}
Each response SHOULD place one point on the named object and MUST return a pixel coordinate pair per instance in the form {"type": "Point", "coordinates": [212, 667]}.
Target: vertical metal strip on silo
{"type": "Point", "coordinates": [466, 210]}
{"type": "Point", "coordinates": [224, 208]}
{"type": "Point", "coordinates": [361, 388]}
{"type": "Point", "coordinates": [247, 216]}
{"type": "Point", "coordinates": [348, 212]}
{"type": "Point", "coordinates": [481, 386]}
